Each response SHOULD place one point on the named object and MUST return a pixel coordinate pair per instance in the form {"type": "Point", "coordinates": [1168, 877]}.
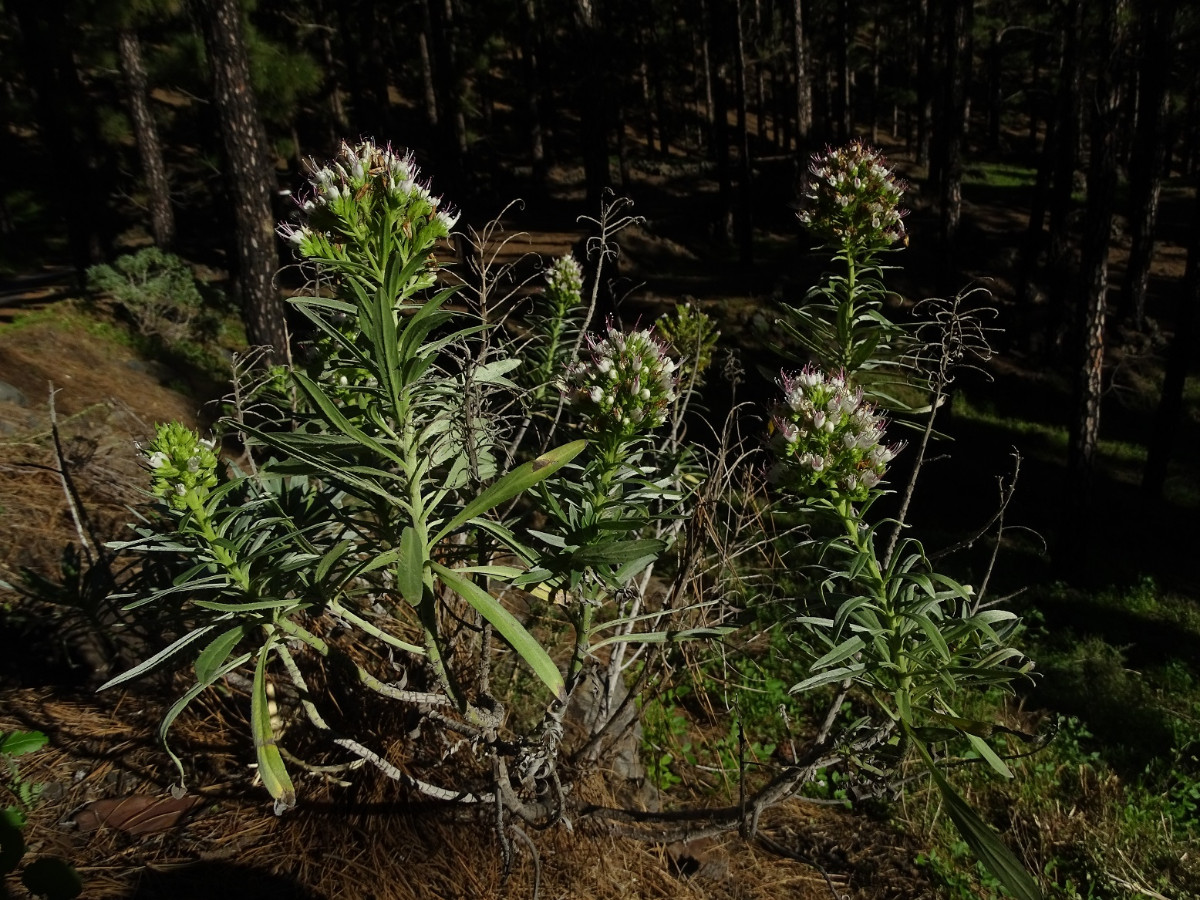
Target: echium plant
{"type": "Point", "coordinates": [851, 204]}
{"type": "Point", "coordinates": [370, 542]}
{"type": "Point", "coordinates": [556, 322]}
{"type": "Point", "coordinates": [886, 624]}
{"type": "Point", "coordinates": [620, 390]}
{"type": "Point", "coordinates": [367, 519]}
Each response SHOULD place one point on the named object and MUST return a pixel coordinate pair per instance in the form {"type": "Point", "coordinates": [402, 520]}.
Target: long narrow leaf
{"type": "Point", "coordinates": [181, 704]}
{"type": "Point", "coordinates": [158, 658]}
{"type": "Point", "coordinates": [214, 655]}
{"type": "Point", "coordinates": [507, 625]}
{"type": "Point", "coordinates": [983, 842]}
{"type": "Point", "coordinates": [515, 482]}
{"type": "Point", "coordinates": [271, 769]}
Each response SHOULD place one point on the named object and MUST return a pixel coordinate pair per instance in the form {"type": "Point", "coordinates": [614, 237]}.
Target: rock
{"type": "Point", "coordinates": [10, 394]}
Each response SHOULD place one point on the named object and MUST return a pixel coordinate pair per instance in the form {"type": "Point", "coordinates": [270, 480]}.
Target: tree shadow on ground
{"type": "Point", "coordinates": [229, 881]}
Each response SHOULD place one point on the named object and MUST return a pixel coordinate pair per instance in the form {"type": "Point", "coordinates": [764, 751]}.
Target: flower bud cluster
{"type": "Point", "coordinates": [564, 282]}
{"type": "Point", "coordinates": [827, 437]}
{"type": "Point", "coordinates": [852, 199]}
{"type": "Point", "coordinates": [625, 384]}
{"type": "Point", "coordinates": [364, 189]}
{"type": "Point", "coordinates": [181, 464]}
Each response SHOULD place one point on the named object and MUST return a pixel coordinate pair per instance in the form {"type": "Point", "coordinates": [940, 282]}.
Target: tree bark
{"type": "Point", "coordinates": [248, 174]}
{"type": "Point", "coordinates": [162, 217]}
{"type": "Point", "coordinates": [745, 222]}
{"type": "Point", "coordinates": [1180, 357]}
{"type": "Point", "coordinates": [803, 81]}
{"type": "Point", "coordinates": [592, 91]}
{"type": "Point", "coordinates": [66, 126]}
{"type": "Point", "coordinates": [531, 50]}
{"type": "Point", "coordinates": [841, 99]}
{"type": "Point", "coordinates": [1063, 181]}
{"type": "Point", "coordinates": [717, 43]}
{"type": "Point", "coordinates": [1093, 283]}
{"type": "Point", "coordinates": [428, 79]}
{"type": "Point", "coordinates": [451, 134]}
{"type": "Point", "coordinates": [1149, 154]}
{"type": "Point", "coordinates": [926, 69]}
{"type": "Point", "coordinates": [995, 87]}
{"type": "Point", "coordinates": [959, 21]}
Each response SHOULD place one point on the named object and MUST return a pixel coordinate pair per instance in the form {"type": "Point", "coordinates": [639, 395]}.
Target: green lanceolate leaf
{"type": "Point", "coordinates": [984, 749]}
{"type": "Point", "coordinates": [338, 420]}
{"type": "Point", "coordinates": [842, 651]}
{"type": "Point", "coordinates": [180, 705]}
{"type": "Point", "coordinates": [271, 769]}
{"type": "Point", "coordinates": [983, 842]}
{"type": "Point", "coordinates": [515, 482]}
{"type": "Point", "coordinates": [158, 658]}
{"type": "Point", "coordinates": [828, 678]}
{"type": "Point", "coordinates": [410, 571]}
{"type": "Point", "coordinates": [666, 637]}
{"type": "Point", "coordinates": [212, 656]}
{"type": "Point", "coordinates": [507, 625]}
{"type": "Point", "coordinates": [615, 553]}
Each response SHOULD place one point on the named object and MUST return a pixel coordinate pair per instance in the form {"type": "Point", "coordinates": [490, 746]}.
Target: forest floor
{"type": "Point", "coordinates": [106, 805]}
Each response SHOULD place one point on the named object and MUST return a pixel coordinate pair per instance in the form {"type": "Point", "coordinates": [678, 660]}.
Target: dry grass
{"type": "Point", "coordinates": [369, 843]}
{"type": "Point", "coordinates": [105, 401]}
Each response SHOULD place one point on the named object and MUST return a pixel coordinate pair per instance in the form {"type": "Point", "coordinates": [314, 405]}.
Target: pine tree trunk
{"type": "Point", "coordinates": [452, 126]}
{"type": "Point", "coordinates": [1093, 284]}
{"type": "Point", "coordinates": [248, 174]}
{"type": "Point", "coordinates": [804, 111]}
{"type": "Point", "coordinates": [841, 98]}
{"type": "Point", "coordinates": [926, 87]}
{"type": "Point", "coordinates": [718, 39]}
{"type": "Point", "coordinates": [1180, 358]}
{"type": "Point", "coordinates": [745, 219]}
{"type": "Point", "coordinates": [162, 218]}
{"type": "Point", "coordinates": [1149, 155]}
{"type": "Point", "coordinates": [428, 79]}
{"type": "Point", "coordinates": [995, 87]}
{"type": "Point", "coordinates": [960, 18]}
{"type": "Point", "coordinates": [531, 50]}
{"type": "Point", "coordinates": [1066, 127]}
{"type": "Point", "coordinates": [592, 91]}
{"type": "Point", "coordinates": [66, 126]}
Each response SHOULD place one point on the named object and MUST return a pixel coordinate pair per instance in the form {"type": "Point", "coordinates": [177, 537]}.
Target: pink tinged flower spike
{"type": "Point", "coordinates": [826, 438]}
{"type": "Point", "coordinates": [626, 380]}
{"type": "Point", "coordinates": [853, 199]}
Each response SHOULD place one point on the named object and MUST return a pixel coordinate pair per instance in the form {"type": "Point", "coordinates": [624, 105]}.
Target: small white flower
{"type": "Point", "coordinates": [157, 459]}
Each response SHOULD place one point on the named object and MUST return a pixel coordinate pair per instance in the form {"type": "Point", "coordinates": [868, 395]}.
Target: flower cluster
{"type": "Point", "coordinates": [626, 383]}
{"type": "Point", "coordinates": [564, 282]}
{"type": "Point", "coordinates": [852, 199]}
{"type": "Point", "coordinates": [182, 464]}
{"type": "Point", "coordinates": [827, 438]}
{"type": "Point", "coordinates": [366, 191]}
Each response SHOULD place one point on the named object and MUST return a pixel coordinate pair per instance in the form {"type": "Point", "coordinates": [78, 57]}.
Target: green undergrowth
{"type": "Point", "coordinates": [1000, 174]}
{"type": "Point", "coordinates": [1109, 807]}
{"type": "Point", "coordinates": [1104, 803]}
